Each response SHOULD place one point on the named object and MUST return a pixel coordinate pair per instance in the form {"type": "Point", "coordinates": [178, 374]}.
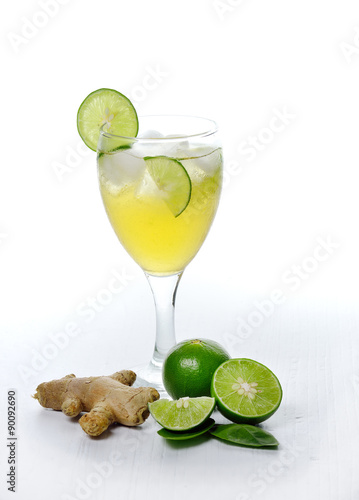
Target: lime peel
{"type": "Point", "coordinates": [182, 436]}
{"type": "Point", "coordinates": [189, 367]}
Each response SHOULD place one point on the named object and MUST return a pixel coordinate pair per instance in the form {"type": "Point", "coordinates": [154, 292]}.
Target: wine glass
{"type": "Point", "coordinates": [161, 191]}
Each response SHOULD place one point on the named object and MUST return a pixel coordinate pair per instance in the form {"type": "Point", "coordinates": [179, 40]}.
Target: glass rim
{"type": "Point", "coordinates": [210, 131]}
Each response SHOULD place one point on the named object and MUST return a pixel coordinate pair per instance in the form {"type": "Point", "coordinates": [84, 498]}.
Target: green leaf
{"type": "Point", "coordinates": [245, 435]}
{"type": "Point", "coordinates": [180, 436]}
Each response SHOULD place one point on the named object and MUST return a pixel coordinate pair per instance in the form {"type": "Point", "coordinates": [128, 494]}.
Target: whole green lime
{"type": "Point", "coordinates": [189, 367]}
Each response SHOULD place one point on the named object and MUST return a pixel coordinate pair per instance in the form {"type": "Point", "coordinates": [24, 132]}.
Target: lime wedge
{"type": "Point", "coordinates": [246, 391]}
{"type": "Point", "coordinates": [182, 414]}
{"type": "Point", "coordinates": [109, 109]}
{"type": "Point", "coordinates": [172, 180]}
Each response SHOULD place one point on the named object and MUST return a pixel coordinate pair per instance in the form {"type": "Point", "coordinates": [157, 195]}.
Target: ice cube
{"type": "Point", "coordinates": [196, 174]}
{"type": "Point", "coordinates": [207, 160]}
{"type": "Point", "coordinates": [147, 147]}
{"type": "Point", "coordinates": [142, 149]}
{"type": "Point", "coordinates": [169, 148]}
{"type": "Point", "coordinates": [200, 165]}
{"type": "Point", "coordinates": [155, 148]}
{"type": "Point", "coordinates": [149, 134]}
{"type": "Point", "coordinates": [182, 151]}
{"type": "Point", "coordinates": [147, 186]}
{"type": "Point", "coordinates": [173, 148]}
{"type": "Point", "coordinates": [120, 169]}
{"type": "Point", "coordinates": [166, 147]}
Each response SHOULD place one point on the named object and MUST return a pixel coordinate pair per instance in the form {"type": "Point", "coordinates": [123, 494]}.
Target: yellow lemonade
{"type": "Point", "coordinates": [160, 242]}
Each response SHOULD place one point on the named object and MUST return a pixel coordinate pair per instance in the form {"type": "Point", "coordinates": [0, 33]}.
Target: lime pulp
{"type": "Point", "coordinates": [172, 180]}
{"type": "Point", "coordinates": [183, 414]}
{"type": "Point", "coordinates": [246, 391]}
{"type": "Point", "coordinates": [107, 109]}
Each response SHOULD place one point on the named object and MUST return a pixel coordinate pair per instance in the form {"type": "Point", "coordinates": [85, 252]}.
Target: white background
{"type": "Point", "coordinates": [241, 63]}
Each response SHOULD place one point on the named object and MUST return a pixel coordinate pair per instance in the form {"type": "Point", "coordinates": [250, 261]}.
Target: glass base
{"type": "Point", "coordinates": [150, 375]}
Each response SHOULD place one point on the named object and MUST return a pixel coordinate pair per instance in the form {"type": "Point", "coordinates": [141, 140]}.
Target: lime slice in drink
{"type": "Point", "coordinates": [246, 391]}
{"type": "Point", "coordinates": [172, 180]}
{"type": "Point", "coordinates": [182, 414]}
{"type": "Point", "coordinates": [109, 109]}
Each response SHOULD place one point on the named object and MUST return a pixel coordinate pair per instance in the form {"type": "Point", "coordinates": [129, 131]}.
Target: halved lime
{"type": "Point", "coordinates": [172, 180]}
{"type": "Point", "coordinates": [109, 109]}
{"type": "Point", "coordinates": [182, 414]}
{"type": "Point", "coordinates": [246, 391]}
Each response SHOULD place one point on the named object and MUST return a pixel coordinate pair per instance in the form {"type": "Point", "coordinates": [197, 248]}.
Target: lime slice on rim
{"type": "Point", "coordinates": [246, 391]}
{"type": "Point", "coordinates": [182, 414]}
{"type": "Point", "coordinates": [109, 109]}
{"type": "Point", "coordinates": [172, 180]}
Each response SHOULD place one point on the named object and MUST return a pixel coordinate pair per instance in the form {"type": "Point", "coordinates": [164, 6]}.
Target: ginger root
{"type": "Point", "coordinates": [106, 399]}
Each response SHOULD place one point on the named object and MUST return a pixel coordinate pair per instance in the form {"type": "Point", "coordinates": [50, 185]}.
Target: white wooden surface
{"type": "Point", "coordinates": [285, 240]}
{"type": "Point", "coordinates": [310, 344]}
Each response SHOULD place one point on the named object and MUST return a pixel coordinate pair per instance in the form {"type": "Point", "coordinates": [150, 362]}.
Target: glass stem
{"type": "Point", "coordinates": [164, 290]}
